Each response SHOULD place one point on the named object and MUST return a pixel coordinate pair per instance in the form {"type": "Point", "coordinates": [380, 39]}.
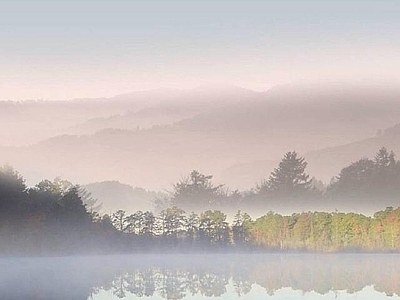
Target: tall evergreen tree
{"type": "Point", "coordinates": [289, 178]}
{"type": "Point", "coordinates": [384, 159]}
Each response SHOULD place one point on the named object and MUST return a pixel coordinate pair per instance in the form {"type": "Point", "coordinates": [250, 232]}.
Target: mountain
{"type": "Point", "coordinates": [322, 164]}
{"type": "Point", "coordinates": [328, 162]}
{"type": "Point", "coordinates": [174, 107]}
{"type": "Point", "coordinates": [247, 175]}
{"type": "Point", "coordinates": [235, 128]}
{"type": "Point", "coordinates": [114, 194]}
{"type": "Point", "coordinates": [33, 121]}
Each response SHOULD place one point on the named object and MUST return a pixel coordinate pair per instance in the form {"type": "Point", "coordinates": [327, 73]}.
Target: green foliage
{"type": "Point", "coordinates": [213, 228]}
{"type": "Point", "coordinates": [327, 232]}
{"type": "Point", "coordinates": [240, 229]}
{"type": "Point", "coordinates": [172, 221]}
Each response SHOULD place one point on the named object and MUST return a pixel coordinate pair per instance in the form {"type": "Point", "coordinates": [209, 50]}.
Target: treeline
{"type": "Point", "coordinates": [366, 183]}
{"type": "Point", "coordinates": [47, 218]}
{"type": "Point", "coordinates": [174, 229]}
{"type": "Point", "coordinates": [307, 231]}
{"type": "Point", "coordinates": [328, 232]}
{"type": "Point", "coordinates": [59, 217]}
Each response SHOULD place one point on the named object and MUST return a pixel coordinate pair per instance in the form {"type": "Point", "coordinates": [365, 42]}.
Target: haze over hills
{"type": "Point", "coordinates": [35, 120]}
{"type": "Point", "coordinates": [170, 108]}
{"type": "Point", "coordinates": [323, 164]}
{"type": "Point", "coordinates": [114, 194]}
{"type": "Point", "coordinates": [334, 158]}
{"type": "Point", "coordinates": [211, 131]}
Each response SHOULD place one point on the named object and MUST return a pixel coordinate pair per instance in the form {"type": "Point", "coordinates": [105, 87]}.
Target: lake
{"type": "Point", "coordinates": [202, 276]}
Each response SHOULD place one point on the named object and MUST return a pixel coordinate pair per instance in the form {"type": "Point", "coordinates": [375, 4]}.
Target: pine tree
{"type": "Point", "coordinates": [289, 178]}
{"type": "Point", "coordinates": [385, 159]}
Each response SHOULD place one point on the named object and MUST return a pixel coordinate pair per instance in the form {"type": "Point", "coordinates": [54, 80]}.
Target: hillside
{"type": "Point", "coordinates": [114, 194]}
{"type": "Point", "coordinates": [323, 164]}
{"type": "Point", "coordinates": [36, 120]}
{"type": "Point", "coordinates": [252, 127]}
{"type": "Point", "coordinates": [327, 162]}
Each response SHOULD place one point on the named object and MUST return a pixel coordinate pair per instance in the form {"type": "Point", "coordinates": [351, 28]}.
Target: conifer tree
{"type": "Point", "coordinates": [289, 178]}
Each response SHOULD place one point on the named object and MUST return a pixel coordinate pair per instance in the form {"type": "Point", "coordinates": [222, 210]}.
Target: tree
{"type": "Point", "coordinates": [148, 223]}
{"type": "Point", "coordinates": [172, 221]}
{"type": "Point", "coordinates": [71, 209]}
{"type": "Point", "coordinates": [120, 220]}
{"type": "Point", "coordinates": [12, 192]}
{"type": "Point", "coordinates": [195, 192]}
{"type": "Point", "coordinates": [386, 176]}
{"type": "Point", "coordinates": [384, 159]}
{"type": "Point", "coordinates": [192, 227]}
{"type": "Point", "coordinates": [57, 186]}
{"type": "Point", "coordinates": [89, 201]}
{"type": "Point", "coordinates": [289, 178]}
{"type": "Point", "coordinates": [268, 230]}
{"type": "Point", "coordinates": [379, 177]}
{"type": "Point", "coordinates": [354, 180]}
{"type": "Point", "coordinates": [213, 228]}
{"type": "Point", "coordinates": [240, 228]}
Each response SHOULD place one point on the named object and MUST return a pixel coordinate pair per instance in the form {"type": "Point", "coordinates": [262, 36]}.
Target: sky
{"type": "Point", "coordinates": [59, 49]}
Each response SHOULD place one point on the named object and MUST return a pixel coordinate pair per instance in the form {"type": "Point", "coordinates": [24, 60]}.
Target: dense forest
{"type": "Point", "coordinates": [57, 217]}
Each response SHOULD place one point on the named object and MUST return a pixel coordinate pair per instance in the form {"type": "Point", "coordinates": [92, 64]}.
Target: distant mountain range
{"type": "Point", "coordinates": [323, 164]}
{"type": "Point", "coordinates": [114, 195]}
{"type": "Point", "coordinates": [32, 121]}
{"type": "Point", "coordinates": [328, 162]}
{"type": "Point", "coordinates": [235, 134]}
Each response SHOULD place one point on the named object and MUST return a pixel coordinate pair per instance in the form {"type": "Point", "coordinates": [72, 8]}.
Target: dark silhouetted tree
{"type": "Point", "coordinates": [289, 178]}
{"type": "Point", "coordinates": [12, 193]}
{"type": "Point", "coordinates": [385, 159]}
{"type": "Point", "coordinates": [70, 212]}
{"type": "Point", "coordinates": [369, 178]}
{"type": "Point", "coordinates": [354, 180]}
{"type": "Point", "coordinates": [195, 192]}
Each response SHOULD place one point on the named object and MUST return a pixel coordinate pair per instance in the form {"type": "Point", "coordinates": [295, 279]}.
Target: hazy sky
{"type": "Point", "coordinates": [64, 49]}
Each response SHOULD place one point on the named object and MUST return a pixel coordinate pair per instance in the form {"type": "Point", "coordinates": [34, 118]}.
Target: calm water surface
{"type": "Point", "coordinates": [224, 276]}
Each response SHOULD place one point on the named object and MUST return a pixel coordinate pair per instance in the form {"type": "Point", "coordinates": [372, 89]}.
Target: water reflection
{"type": "Point", "coordinates": [198, 276]}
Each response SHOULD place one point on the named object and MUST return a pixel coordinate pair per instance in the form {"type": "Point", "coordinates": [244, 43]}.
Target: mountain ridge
{"type": "Point", "coordinates": [221, 136]}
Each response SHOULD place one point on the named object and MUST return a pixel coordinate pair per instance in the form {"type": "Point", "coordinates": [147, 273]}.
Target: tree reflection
{"type": "Point", "coordinates": [180, 276]}
{"type": "Point", "coordinates": [321, 274]}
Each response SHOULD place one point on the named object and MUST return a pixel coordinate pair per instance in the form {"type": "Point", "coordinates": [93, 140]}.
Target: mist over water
{"type": "Point", "coordinates": [233, 150]}
{"type": "Point", "coordinates": [225, 276]}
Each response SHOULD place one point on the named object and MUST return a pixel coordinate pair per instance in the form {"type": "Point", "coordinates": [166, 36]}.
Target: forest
{"type": "Point", "coordinates": [57, 217]}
